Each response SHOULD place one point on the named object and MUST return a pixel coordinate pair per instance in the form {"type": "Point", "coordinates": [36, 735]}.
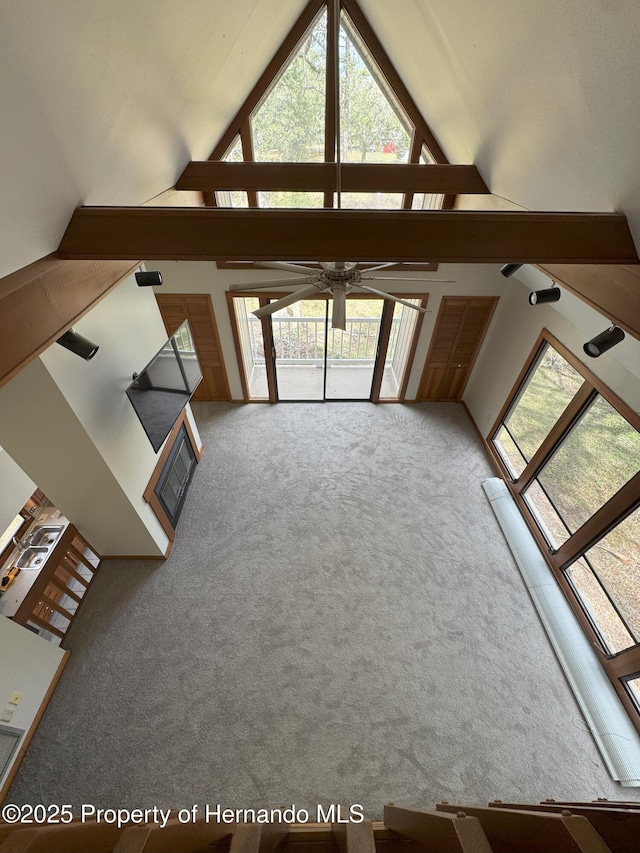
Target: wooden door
{"type": "Point", "coordinates": [197, 309]}
{"type": "Point", "coordinates": [460, 329]}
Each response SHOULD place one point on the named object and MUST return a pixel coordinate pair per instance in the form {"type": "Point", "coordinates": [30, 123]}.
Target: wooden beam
{"type": "Point", "coordinates": [445, 236]}
{"type": "Point", "coordinates": [40, 302]}
{"type": "Point", "coordinates": [309, 177]}
{"type": "Point", "coordinates": [612, 290]}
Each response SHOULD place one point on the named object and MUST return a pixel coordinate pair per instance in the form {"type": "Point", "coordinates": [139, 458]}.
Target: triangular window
{"type": "Point", "coordinates": [290, 116]}
{"type": "Point", "coordinates": [288, 125]}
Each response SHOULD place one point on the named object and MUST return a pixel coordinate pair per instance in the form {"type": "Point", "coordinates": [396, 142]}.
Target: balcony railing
{"type": "Point", "coordinates": [301, 340]}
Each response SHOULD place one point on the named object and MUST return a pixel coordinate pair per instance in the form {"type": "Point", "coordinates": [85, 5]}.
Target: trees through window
{"type": "Point", "coordinates": [570, 449]}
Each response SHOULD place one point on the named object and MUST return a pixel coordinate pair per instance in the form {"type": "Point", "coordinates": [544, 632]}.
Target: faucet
{"type": "Point", "coordinates": [20, 545]}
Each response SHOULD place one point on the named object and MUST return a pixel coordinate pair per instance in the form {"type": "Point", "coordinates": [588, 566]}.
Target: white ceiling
{"type": "Point", "coordinates": [105, 102]}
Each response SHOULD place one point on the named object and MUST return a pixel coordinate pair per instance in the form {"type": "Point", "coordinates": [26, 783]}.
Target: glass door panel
{"type": "Point", "coordinates": [251, 346]}
{"type": "Point", "coordinates": [299, 334]}
{"type": "Point", "coordinates": [399, 349]}
{"type": "Point", "coordinates": [351, 354]}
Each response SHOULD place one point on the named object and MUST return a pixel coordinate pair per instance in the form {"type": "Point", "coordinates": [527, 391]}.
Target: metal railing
{"type": "Point", "coordinates": [301, 340]}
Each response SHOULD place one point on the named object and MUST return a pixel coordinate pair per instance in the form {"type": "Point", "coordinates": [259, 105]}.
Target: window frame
{"type": "Point", "coordinates": [620, 666]}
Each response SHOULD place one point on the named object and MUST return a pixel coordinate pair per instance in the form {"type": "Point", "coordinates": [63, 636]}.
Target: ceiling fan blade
{"type": "Point", "coordinates": [390, 296]}
{"type": "Point", "coordinates": [339, 313]}
{"type": "Point", "coordinates": [380, 266]}
{"type": "Point", "coordinates": [404, 278]}
{"type": "Point", "coordinates": [280, 282]}
{"type": "Point", "coordinates": [285, 267]}
{"type": "Point", "coordinates": [266, 310]}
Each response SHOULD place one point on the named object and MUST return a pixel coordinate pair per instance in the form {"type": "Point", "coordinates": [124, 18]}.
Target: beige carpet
{"type": "Point", "coordinates": [340, 621]}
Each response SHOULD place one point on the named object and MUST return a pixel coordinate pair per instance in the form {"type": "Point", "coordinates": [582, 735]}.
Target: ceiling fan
{"type": "Point", "coordinates": [336, 277]}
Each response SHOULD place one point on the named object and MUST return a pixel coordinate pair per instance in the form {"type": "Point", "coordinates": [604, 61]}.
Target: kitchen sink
{"type": "Point", "coordinates": [47, 535]}
{"type": "Point", "coordinates": [32, 557]}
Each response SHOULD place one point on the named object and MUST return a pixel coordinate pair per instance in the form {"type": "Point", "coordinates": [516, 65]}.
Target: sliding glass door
{"type": "Point", "coordinates": [295, 354]}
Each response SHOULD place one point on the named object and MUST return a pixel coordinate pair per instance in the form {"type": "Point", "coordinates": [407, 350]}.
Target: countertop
{"type": "Point", "coordinates": [11, 600]}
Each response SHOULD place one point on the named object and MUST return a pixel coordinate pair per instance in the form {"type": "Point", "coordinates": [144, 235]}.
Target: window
{"type": "Point", "coordinates": [570, 452]}
{"type": "Point", "coordinates": [291, 117]}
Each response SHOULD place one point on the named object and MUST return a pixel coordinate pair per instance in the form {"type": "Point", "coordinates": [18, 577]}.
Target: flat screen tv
{"type": "Point", "coordinates": [161, 391]}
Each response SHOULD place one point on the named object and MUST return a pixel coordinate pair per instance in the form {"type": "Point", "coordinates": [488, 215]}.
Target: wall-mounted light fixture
{"type": "Point", "coordinates": [78, 345]}
{"type": "Point", "coordinates": [549, 294]}
{"type": "Point", "coordinates": [151, 278]}
{"type": "Point", "coordinates": [604, 341]}
{"type": "Point", "coordinates": [509, 269]}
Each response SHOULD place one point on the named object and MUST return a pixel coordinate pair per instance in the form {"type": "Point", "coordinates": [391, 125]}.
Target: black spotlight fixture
{"type": "Point", "coordinates": [153, 278]}
{"type": "Point", "coordinates": [604, 341]}
{"type": "Point", "coordinates": [509, 269]}
{"type": "Point", "coordinates": [78, 345]}
{"type": "Point", "coordinates": [550, 294]}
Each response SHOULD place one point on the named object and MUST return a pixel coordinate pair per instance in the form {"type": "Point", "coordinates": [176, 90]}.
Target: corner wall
{"type": "Point", "coordinates": [69, 425]}
{"type": "Point", "coordinates": [28, 665]}
{"type": "Point", "coordinates": [15, 489]}
{"type": "Point", "coordinates": [513, 333]}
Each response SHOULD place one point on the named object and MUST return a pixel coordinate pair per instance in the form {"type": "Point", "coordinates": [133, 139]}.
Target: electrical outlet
{"type": "Point", "coordinates": [15, 698]}
{"type": "Point", "coordinates": [7, 715]}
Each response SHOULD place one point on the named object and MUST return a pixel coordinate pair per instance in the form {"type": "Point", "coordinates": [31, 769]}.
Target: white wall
{"type": "Point", "coordinates": [27, 665]}
{"type": "Point", "coordinates": [69, 424]}
{"type": "Point", "coordinates": [204, 277]}
{"type": "Point", "coordinates": [15, 489]}
{"type": "Point", "coordinates": [512, 335]}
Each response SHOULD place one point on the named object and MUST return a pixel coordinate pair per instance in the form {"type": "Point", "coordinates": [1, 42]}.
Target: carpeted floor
{"type": "Point", "coordinates": [340, 621]}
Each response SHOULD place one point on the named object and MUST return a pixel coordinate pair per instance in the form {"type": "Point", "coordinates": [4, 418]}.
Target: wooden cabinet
{"type": "Point", "coordinates": [197, 309]}
{"type": "Point", "coordinates": [460, 329]}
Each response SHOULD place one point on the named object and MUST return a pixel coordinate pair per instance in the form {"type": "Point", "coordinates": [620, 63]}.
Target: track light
{"type": "Point", "coordinates": [78, 345]}
{"type": "Point", "coordinates": [152, 278]}
{"type": "Point", "coordinates": [604, 341]}
{"type": "Point", "coordinates": [550, 294]}
{"type": "Point", "coordinates": [509, 269]}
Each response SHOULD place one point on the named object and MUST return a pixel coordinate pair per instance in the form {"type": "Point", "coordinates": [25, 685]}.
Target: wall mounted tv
{"type": "Point", "coordinates": [160, 392]}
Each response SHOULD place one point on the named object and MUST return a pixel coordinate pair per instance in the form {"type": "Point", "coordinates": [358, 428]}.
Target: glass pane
{"type": "Point", "coordinates": [616, 561]}
{"type": "Point", "coordinates": [508, 450]}
{"type": "Point", "coordinates": [591, 595]}
{"type": "Point", "coordinates": [633, 686]}
{"type": "Point", "coordinates": [402, 331]}
{"type": "Point", "coordinates": [600, 454]}
{"type": "Point", "coordinates": [251, 346]}
{"type": "Point", "coordinates": [427, 201]}
{"type": "Point", "coordinates": [371, 201]}
{"type": "Point", "coordinates": [351, 354]}
{"type": "Point", "coordinates": [286, 199]}
{"type": "Point", "coordinates": [546, 395]}
{"type": "Point", "coordinates": [234, 154]}
{"type": "Point", "coordinates": [373, 126]}
{"type": "Point", "coordinates": [298, 338]}
{"type": "Point", "coordinates": [289, 123]}
{"type": "Point", "coordinates": [546, 516]}
{"type": "Point", "coordinates": [232, 198]}
{"type": "Point", "coordinates": [170, 498]}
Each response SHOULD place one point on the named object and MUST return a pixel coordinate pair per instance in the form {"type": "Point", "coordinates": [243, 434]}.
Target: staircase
{"type": "Point", "coordinates": [602, 826]}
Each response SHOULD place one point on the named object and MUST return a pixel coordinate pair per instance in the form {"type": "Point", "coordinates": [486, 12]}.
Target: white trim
{"type": "Point", "coordinates": [612, 730]}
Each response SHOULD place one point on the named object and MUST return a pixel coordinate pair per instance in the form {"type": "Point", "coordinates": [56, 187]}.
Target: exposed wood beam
{"type": "Point", "coordinates": [444, 236]}
{"type": "Point", "coordinates": [612, 290]}
{"type": "Point", "coordinates": [309, 177]}
{"type": "Point", "coordinates": [40, 302]}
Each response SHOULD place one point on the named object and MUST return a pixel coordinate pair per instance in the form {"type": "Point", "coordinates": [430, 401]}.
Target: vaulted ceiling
{"type": "Point", "coordinates": [105, 103]}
